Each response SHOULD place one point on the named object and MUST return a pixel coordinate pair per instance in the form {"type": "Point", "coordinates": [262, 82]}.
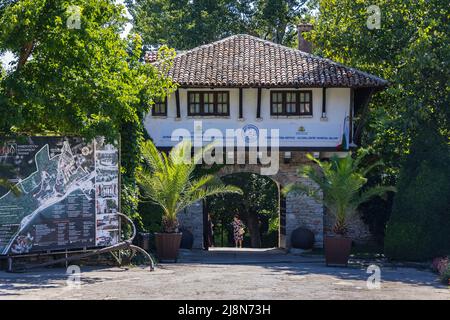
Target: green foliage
{"type": "Point", "coordinates": [185, 24]}
{"type": "Point", "coordinates": [85, 81]}
{"type": "Point", "coordinates": [167, 180]}
{"type": "Point", "coordinates": [419, 227]}
{"type": "Point", "coordinates": [375, 213]}
{"type": "Point", "coordinates": [6, 172]}
{"type": "Point", "coordinates": [445, 276]}
{"type": "Point", "coordinates": [410, 50]}
{"type": "Point", "coordinates": [151, 214]}
{"type": "Point", "coordinates": [73, 81]}
{"type": "Point", "coordinates": [257, 206]}
{"type": "Point", "coordinates": [340, 186]}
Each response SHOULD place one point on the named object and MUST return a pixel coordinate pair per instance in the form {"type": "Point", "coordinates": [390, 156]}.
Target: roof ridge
{"type": "Point", "coordinates": [278, 45]}
{"type": "Point", "coordinates": [312, 56]}
{"type": "Point", "coordinates": [203, 46]}
{"type": "Point", "coordinates": [246, 60]}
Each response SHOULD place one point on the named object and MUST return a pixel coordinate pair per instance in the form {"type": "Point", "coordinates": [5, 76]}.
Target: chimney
{"type": "Point", "coordinates": [304, 45]}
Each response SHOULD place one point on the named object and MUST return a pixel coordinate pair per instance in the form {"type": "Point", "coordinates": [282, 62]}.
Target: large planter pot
{"type": "Point", "coordinates": [167, 246]}
{"type": "Point", "coordinates": [337, 250]}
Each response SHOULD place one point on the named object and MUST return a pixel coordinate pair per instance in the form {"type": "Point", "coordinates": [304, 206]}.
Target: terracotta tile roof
{"type": "Point", "coordinates": [151, 56]}
{"type": "Point", "coordinates": [246, 61]}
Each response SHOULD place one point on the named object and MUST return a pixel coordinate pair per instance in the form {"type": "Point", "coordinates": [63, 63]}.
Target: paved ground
{"type": "Point", "coordinates": [231, 275]}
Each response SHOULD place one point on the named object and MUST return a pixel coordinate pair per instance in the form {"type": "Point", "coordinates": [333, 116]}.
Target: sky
{"type": "Point", "coordinates": [6, 58]}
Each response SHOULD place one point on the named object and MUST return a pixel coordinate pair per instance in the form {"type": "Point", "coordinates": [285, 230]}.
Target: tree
{"type": "Point", "coordinates": [73, 81]}
{"type": "Point", "coordinates": [256, 206]}
{"type": "Point", "coordinates": [169, 182]}
{"type": "Point", "coordinates": [184, 24]}
{"type": "Point", "coordinates": [75, 75]}
{"type": "Point", "coordinates": [419, 227]}
{"type": "Point", "coordinates": [277, 20]}
{"type": "Point", "coordinates": [410, 49]}
{"type": "Point", "coordinates": [181, 24]}
{"type": "Point", "coordinates": [340, 186]}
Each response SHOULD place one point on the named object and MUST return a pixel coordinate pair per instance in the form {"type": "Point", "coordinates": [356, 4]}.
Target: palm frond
{"type": "Point", "coordinates": [302, 189]}
{"type": "Point", "coordinates": [371, 193]}
{"type": "Point", "coordinates": [10, 186]}
{"type": "Point", "coordinates": [169, 180]}
{"type": "Point", "coordinates": [341, 181]}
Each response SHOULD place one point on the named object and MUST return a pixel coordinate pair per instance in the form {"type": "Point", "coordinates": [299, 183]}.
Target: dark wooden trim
{"type": "Point", "coordinates": [284, 103]}
{"type": "Point", "coordinates": [258, 105]}
{"type": "Point", "coordinates": [177, 101]}
{"type": "Point", "coordinates": [281, 149]}
{"type": "Point", "coordinates": [241, 94]}
{"type": "Point", "coordinates": [266, 86]}
{"type": "Point", "coordinates": [160, 114]}
{"type": "Point", "coordinates": [352, 104]}
{"type": "Point", "coordinates": [324, 102]}
{"type": "Point", "coordinates": [362, 100]}
{"type": "Point", "coordinates": [202, 103]}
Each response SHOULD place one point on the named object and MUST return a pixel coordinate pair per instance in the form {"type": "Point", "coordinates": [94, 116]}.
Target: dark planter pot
{"type": "Point", "coordinates": [144, 241]}
{"type": "Point", "coordinates": [167, 246]}
{"type": "Point", "coordinates": [337, 250]}
{"type": "Point", "coordinates": [302, 238]}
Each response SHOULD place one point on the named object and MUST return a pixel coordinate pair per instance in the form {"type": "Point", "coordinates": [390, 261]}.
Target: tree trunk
{"type": "Point", "coordinates": [253, 228]}
{"type": "Point", "coordinates": [25, 53]}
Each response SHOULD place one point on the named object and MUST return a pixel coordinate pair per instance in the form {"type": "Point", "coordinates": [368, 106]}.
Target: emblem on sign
{"type": "Point", "coordinates": [250, 133]}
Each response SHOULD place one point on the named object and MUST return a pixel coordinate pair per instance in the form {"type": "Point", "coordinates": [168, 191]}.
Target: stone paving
{"type": "Point", "coordinates": [227, 275]}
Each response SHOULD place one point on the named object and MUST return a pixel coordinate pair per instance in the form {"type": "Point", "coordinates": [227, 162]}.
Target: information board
{"type": "Point", "coordinates": [65, 194]}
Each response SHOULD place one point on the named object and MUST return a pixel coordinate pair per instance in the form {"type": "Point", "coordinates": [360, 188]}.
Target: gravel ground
{"type": "Point", "coordinates": [282, 280]}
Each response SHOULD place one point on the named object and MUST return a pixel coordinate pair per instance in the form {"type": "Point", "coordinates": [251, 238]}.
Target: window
{"type": "Point", "coordinates": [160, 108]}
{"type": "Point", "coordinates": [194, 103]}
{"type": "Point", "coordinates": [207, 103]}
{"type": "Point", "coordinates": [290, 103]}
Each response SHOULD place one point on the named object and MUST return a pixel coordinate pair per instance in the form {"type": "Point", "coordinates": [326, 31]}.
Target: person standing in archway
{"type": "Point", "coordinates": [210, 231]}
{"type": "Point", "coordinates": [238, 231]}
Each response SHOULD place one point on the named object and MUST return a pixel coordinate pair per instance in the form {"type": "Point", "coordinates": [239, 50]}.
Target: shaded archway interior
{"type": "Point", "coordinates": [260, 209]}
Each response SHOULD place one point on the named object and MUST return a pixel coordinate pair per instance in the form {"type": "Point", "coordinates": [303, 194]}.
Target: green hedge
{"type": "Point", "coordinates": [419, 227]}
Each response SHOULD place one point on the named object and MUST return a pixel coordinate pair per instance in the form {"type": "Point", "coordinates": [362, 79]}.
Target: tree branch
{"type": "Point", "coordinates": [25, 53]}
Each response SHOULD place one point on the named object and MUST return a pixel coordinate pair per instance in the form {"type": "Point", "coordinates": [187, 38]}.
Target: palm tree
{"type": "Point", "coordinates": [5, 183]}
{"type": "Point", "coordinates": [342, 182]}
{"type": "Point", "coordinates": [169, 181]}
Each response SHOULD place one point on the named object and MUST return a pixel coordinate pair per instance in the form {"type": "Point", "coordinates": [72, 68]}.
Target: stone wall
{"type": "Point", "coordinates": [357, 229]}
{"type": "Point", "coordinates": [191, 219]}
{"type": "Point", "coordinates": [301, 210]}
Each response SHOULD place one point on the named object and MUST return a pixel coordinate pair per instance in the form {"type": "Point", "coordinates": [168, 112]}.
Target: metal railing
{"type": "Point", "coordinates": [123, 245]}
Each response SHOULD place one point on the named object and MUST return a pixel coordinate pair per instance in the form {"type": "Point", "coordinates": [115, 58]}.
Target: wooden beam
{"type": "Point", "coordinates": [241, 103]}
{"type": "Point", "coordinates": [177, 98]}
{"type": "Point", "coordinates": [258, 106]}
{"type": "Point", "coordinates": [362, 99]}
{"type": "Point", "coordinates": [324, 102]}
{"type": "Point", "coordinates": [352, 105]}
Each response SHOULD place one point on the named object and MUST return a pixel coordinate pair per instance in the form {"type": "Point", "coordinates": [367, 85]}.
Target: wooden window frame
{"type": "Point", "coordinates": [215, 103]}
{"type": "Point", "coordinates": [160, 114]}
{"type": "Point", "coordinates": [284, 103]}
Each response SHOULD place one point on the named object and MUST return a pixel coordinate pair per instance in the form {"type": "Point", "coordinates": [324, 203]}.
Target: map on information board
{"type": "Point", "coordinates": [66, 194]}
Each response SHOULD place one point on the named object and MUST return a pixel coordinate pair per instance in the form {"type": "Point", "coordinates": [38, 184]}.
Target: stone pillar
{"type": "Point", "coordinates": [303, 211]}
{"type": "Point", "coordinates": [192, 219]}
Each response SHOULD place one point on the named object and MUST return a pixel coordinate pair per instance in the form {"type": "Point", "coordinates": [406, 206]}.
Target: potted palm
{"type": "Point", "coordinates": [340, 186]}
{"type": "Point", "coordinates": [168, 181]}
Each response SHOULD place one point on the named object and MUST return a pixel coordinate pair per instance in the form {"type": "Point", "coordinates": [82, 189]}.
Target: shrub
{"type": "Point", "coordinates": [445, 276]}
{"type": "Point", "coordinates": [419, 227]}
{"type": "Point", "coordinates": [442, 267]}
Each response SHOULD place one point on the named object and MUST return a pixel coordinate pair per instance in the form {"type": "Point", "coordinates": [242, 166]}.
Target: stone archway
{"type": "Point", "coordinates": [295, 210]}
{"type": "Point", "coordinates": [266, 196]}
